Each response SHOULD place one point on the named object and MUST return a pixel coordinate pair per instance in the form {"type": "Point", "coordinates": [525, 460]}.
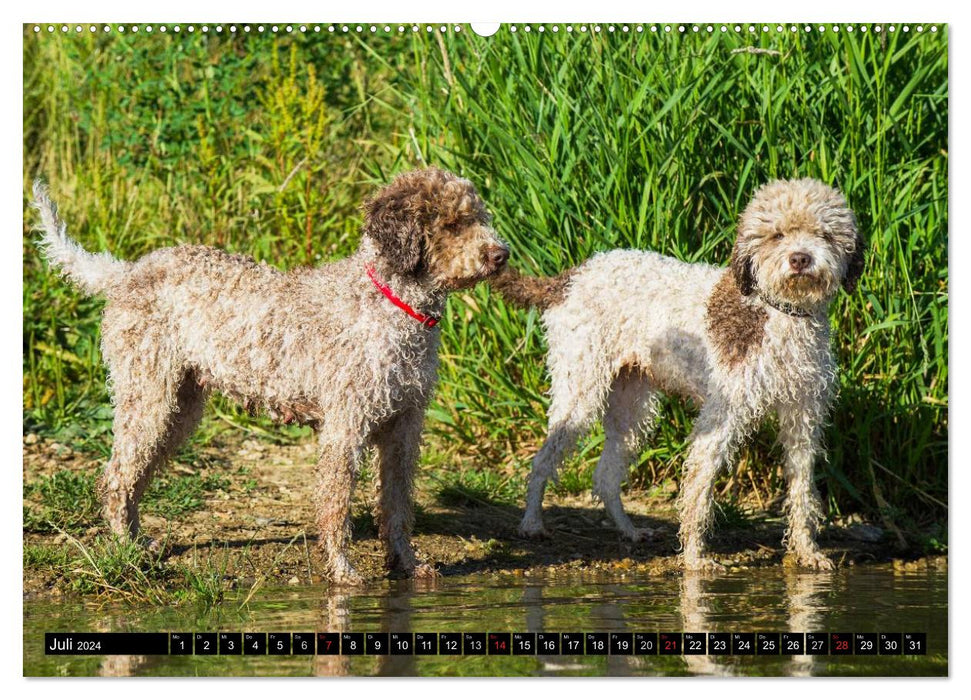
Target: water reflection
{"type": "Point", "coordinates": [120, 666]}
{"type": "Point", "coordinates": [769, 600]}
{"type": "Point", "coordinates": [806, 595]}
{"type": "Point", "coordinates": [393, 612]}
{"type": "Point", "coordinates": [335, 617]}
{"type": "Point", "coordinates": [696, 616]}
{"type": "Point", "coordinates": [803, 605]}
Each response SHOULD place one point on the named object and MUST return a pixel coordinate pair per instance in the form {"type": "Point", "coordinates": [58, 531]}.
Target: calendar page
{"type": "Point", "coordinates": [513, 349]}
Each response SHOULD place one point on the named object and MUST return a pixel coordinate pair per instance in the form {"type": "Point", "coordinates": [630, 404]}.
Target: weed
{"type": "Point", "coordinates": [732, 515]}
{"type": "Point", "coordinates": [44, 556]}
{"type": "Point", "coordinates": [575, 478]}
{"type": "Point", "coordinates": [67, 501]}
{"type": "Point", "coordinates": [471, 488]}
{"type": "Point", "coordinates": [205, 581]}
{"type": "Point", "coordinates": [173, 496]}
{"type": "Point", "coordinates": [117, 568]}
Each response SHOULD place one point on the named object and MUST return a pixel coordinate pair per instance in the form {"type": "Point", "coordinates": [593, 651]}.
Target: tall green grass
{"type": "Point", "coordinates": [580, 141]}
{"type": "Point", "coordinates": [585, 142]}
{"type": "Point", "coordinates": [255, 144]}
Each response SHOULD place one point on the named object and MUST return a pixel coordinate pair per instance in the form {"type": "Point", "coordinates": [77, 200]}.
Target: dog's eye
{"type": "Point", "coordinates": [778, 236]}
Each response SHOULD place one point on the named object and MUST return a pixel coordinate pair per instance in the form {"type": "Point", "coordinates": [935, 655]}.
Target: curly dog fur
{"type": "Point", "coordinates": [319, 346]}
{"type": "Point", "coordinates": [742, 342]}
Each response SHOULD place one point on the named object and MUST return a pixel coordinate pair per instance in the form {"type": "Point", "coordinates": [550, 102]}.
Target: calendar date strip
{"type": "Point", "coordinates": [487, 643]}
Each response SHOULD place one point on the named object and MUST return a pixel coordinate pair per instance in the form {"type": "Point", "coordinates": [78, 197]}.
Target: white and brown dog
{"type": "Point", "coordinates": [742, 342]}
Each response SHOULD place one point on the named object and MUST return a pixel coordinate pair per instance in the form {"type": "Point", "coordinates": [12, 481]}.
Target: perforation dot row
{"type": "Point", "coordinates": [711, 28]}
{"type": "Point", "coordinates": [388, 29]}
{"type": "Point", "coordinates": [246, 28]}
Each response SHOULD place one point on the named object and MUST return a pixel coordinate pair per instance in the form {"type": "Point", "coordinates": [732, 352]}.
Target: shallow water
{"type": "Point", "coordinates": [857, 599]}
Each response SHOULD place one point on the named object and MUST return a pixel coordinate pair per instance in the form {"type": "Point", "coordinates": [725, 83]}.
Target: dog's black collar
{"type": "Point", "coordinates": [785, 307]}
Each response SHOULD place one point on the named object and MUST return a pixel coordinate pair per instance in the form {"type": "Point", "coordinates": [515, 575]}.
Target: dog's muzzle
{"type": "Point", "coordinates": [496, 257]}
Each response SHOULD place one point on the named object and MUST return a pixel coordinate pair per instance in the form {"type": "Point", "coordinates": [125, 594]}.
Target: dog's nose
{"type": "Point", "coordinates": [800, 261]}
{"type": "Point", "coordinates": [498, 255]}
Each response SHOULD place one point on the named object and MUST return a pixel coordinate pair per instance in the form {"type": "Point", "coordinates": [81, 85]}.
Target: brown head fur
{"type": "Point", "coordinates": [741, 267]}
{"type": "Point", "coordinates": [430, 223]}
{"type": "Point", "coordinates": [854, 268]}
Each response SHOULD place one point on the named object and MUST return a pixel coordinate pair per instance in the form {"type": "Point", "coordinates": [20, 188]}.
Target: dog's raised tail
{"type": "Point", "coordinates": [94, 273]}
{"type": "Point", "coordinates": [525, 291]}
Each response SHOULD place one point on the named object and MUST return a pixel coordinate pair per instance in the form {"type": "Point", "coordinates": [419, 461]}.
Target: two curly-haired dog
{"type": "Point", "coordinates": [743, 342]}
{"type": "Point", "coordinates": [349, 347]}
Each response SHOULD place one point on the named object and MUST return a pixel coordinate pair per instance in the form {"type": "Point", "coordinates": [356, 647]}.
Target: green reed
{"type": "Point", "coordinates": [580, 142]}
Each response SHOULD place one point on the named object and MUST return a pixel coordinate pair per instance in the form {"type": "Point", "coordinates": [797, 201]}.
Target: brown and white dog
{"type": "Point", "coordinates": [743, 342]}
{"type": "Point", "coordinates": [349, 347]}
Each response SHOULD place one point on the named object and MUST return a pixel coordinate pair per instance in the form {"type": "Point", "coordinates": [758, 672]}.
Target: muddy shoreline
{"type": "Point", "coordinates": [257, 527]}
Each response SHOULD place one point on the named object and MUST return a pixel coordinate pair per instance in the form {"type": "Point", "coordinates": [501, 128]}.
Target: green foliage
{"type": "Point", "coordinates": [732, 516]}
{"type": "Point", "coordinates": [477, 487]}
{"type": "Point", "coordinates": [587, 142]}
{"type": "Point", "coordinates": [172, 496]}
{"type": "Point", "coordinates": [42, 556]}
{"type": "Point", "coordinates": [68, 501]}
{"type": "Point", "coordinates": [574, 479]}
{"type": "Point", "coordinates": [117, 568]}
{"type": "Point", "coordinates": [580, 142]}
{"type": "Point", "coordinates": [123, 570]}
{"type": "Point", "coordinates": [205, 581]}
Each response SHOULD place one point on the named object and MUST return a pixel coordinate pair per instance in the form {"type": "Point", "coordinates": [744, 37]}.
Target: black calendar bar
{"type": "Point", "coordinates": [487, 644]}
{"type": "Point", "coordinates": [88, 643]}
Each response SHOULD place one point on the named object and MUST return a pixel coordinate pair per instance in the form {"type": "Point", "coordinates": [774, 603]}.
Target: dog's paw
{"type": "Point", "coordinates": [346, 575]}
{"type": "Point", "coordinates": [425, 572]}
{"type": "Point", "coordinates": [813, 559]}
{"type": "Point", "coordinates": [534, 531]}
{"type": "Point", "coordinates": [703, 564]}
{"type": "Point", "coordinates": [640, 534]}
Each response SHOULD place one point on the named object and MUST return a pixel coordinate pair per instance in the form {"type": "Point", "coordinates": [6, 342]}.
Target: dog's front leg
{"type": "Point", "coordinates": [800, 431]}
{"type": "Point", "coordinates": [336, 474]}
{"type": "Point", "coordinates": [397, 443]}
{"type": "Point", "coordinates": [713, 442]}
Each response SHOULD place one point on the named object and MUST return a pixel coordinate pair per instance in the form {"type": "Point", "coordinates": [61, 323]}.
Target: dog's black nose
{"type": "Point", "coordinates": [800, 261]}
{"type": "Point", "coordinates": [498, 255]}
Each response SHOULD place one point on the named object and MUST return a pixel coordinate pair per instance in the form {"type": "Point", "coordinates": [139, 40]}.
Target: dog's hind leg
{"type": "Point", "coordinates": [397, 445]}
{"type": "Point", "coordinates": [630, 413]}
{"type": "Point", "coordinates": [156, 409]}
{"type": "Point", "coordinates": [577, 402]}
{"type": "Point", "coordinates": [800, 435]}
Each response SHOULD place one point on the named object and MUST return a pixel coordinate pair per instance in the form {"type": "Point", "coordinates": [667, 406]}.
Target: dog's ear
{"type": "Point", "coordinates": [854, 267]}
{"type": "Point", "coordinates": [393, 223]}
{"type": "Point", "coordinates": [742, 271]}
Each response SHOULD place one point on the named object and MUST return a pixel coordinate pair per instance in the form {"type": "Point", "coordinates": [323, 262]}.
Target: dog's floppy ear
{"type": "Point", "coordinates": [392, 222]}
{"type": "Point", "coordinates": [854, 266]}
{"type": "Point", "coordinates": [742, 271]}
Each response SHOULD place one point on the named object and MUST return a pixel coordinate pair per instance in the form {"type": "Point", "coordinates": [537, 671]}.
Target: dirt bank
{"type": "Point", "coordinates": [253, 521]}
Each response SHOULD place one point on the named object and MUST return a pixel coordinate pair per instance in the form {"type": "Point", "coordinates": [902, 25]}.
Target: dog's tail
{"type": "Point", "coordinates": [94, 273]}
{"type": "Point", "coordinates": [525, 291]}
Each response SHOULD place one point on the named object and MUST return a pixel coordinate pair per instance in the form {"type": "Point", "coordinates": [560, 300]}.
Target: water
{"type": "Point", "coordinates": [857, 599]}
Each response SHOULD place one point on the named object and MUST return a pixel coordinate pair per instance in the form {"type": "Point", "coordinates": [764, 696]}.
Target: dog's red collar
{"type": "Point", "coordinates": [427, 321]}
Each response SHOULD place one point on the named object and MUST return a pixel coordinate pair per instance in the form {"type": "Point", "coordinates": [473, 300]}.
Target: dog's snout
{"type": "Point", "coordinates": [800, 261]}
{"type": "Point", "coordinates": [498, 255]}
